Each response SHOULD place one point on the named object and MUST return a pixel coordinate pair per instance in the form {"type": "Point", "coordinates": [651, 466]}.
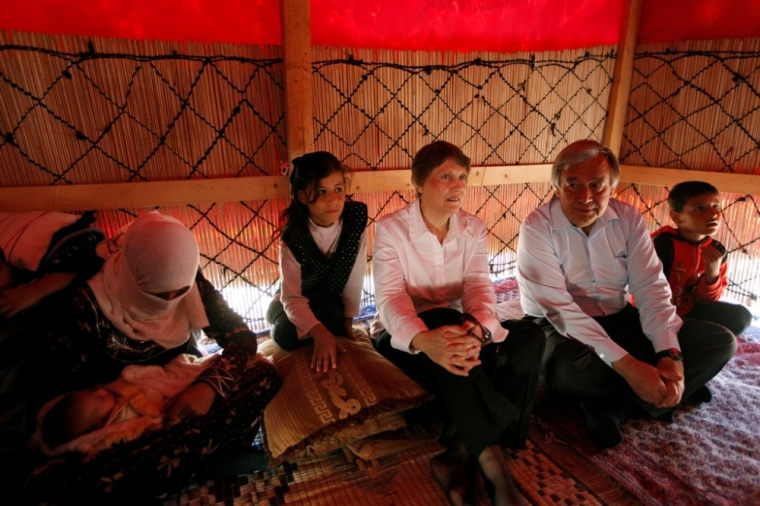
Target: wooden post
{"type": "Point", "coordinates": [621, 80]}
{"type": "Point", "coordinates": [296, 49]}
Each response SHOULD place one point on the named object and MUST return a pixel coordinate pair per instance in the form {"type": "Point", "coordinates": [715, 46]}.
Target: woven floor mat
{"type": "Point", "coordinates": [547, 473]}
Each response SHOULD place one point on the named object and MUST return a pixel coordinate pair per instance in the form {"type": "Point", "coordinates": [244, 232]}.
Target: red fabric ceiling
{"type": "Point", "coordinates": [450, 25]}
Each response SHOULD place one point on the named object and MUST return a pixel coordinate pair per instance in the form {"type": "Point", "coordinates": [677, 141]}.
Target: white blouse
{"type": "Point", "coordinates": [414, 272]}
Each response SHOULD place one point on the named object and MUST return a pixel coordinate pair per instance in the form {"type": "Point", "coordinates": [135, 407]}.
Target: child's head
{"type": "Point", "coordinates": [318, 190]}
{"type": "Point", "coordinates": [76, 414]}
{"type": "Point", "coordinates": [6, 273]}
{"type": "Point", "coordinates": [695, 209]}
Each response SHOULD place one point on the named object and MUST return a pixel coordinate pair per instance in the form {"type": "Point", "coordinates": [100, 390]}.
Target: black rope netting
{"type": "Point", "coordinates": [700, 110]}
{"type": "Point", "coordinates": [162, 101]}
{"type": "Point", "coordinates": [501, 112]}
{"type": "Point", "coordinates": [222, 116]}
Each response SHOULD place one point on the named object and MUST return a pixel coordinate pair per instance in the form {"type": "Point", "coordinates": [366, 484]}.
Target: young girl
{"type": "Point", "coordinates": [323, 260]}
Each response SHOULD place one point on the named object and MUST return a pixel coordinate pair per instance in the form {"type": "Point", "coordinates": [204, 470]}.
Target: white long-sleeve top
{"type": "Point", "coordinates": [414, 272]}
{"type": "Point", "coordinates": [296, 305]}
{"type": "Point", "coordinates": [568, 276]}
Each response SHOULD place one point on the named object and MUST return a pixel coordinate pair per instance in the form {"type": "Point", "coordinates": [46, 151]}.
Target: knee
{"type": "Point", "coordinates": [440, 316]}
{"type": "Point", "coordinates": [286, 336]}
{"type": "Point", "coordinates": [526, 336]}
{"type": "Point", "coordinates": [743, 319]}
{"type": "Point", "coordinates": [581, 376]}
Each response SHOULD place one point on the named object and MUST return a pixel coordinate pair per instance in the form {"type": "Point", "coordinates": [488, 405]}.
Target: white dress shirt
{"type": "Point", "coordinates": [414, 272]}
{"type": "Point", "coordinates": [567, 276]}
{"type": "Point", "coordinates": [296, 305]}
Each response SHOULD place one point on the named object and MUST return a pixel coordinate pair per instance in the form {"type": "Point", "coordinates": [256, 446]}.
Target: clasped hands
{"type": "Point", "coordinates": [453, 347]}
{"type": "Point", "coordinates": [661, 385]}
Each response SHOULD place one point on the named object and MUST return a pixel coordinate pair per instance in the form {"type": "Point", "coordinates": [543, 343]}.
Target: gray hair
{"type": "Point", "coordinates": [583, 151]}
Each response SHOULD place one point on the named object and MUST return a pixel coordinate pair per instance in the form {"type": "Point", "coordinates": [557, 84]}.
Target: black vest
{"type": "Point", "coordinates": [320, 275]}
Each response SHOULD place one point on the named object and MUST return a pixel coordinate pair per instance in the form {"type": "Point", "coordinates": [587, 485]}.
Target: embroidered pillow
{"type": "Point", "coordinates": [312, 415]}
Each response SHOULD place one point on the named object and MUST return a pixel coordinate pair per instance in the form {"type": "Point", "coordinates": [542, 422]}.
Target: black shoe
{"type": "Point", "coordinates": [700, 395]}
{"type": "Point", "coordinates": [604, 426]}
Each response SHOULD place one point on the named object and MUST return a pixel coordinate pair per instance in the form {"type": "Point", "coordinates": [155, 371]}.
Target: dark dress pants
{"type": "Point", "coordinates": [574, 368]}
{"type": "Point", "coordinates": [493, 404]}
{"type": "Point", "coordinates": [734, 317]}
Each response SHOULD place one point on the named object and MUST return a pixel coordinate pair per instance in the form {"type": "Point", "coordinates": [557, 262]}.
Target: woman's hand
{"type": "Point", "coordinates": [450, 347]}
{"type": "Point", "coordinates": [195, 400]}
{"type": "Point", "coordinates": [326, 349]}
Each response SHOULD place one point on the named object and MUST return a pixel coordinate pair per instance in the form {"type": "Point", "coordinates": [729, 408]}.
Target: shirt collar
{"type": "Point", "coordinates": [559, 220]}
{"type": "Point", "coordinates": [417, 227]}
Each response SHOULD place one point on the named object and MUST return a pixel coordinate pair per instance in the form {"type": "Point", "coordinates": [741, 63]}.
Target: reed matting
{"type": "Point", "coordinates": [546, 472]}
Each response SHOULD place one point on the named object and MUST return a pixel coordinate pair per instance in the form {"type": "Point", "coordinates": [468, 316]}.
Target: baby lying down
{"type": "Point", "coordinates": [87, 421]}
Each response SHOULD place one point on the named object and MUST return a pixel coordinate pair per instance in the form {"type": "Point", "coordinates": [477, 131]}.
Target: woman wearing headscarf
{"type": "Point", "coordinates": [141, 309]}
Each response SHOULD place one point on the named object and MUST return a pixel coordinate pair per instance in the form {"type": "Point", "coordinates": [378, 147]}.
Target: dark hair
{"type": "Point", "coordinates": [433, 156]}
{"type": "Point", "coordinates": [59, 425]}
{"type": "Point", "coordinates": [681, 193]}
{"type": "Point", "coordinates": [583, 151]}
{"type": "Point", "coordinates": [308, 171]}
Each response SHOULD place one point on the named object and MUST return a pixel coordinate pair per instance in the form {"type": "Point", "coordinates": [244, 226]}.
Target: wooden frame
{"type": "Point", "coordinates": [198, 191]}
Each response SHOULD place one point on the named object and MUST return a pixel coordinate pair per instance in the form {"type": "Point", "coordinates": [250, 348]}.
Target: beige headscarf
{"type": "Point", "coordinates": [159, 255]}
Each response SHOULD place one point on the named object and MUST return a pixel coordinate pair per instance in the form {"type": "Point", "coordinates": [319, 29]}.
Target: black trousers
{"type": "Point", "coordinates": [329, 310]}
{"type": "Point", "coordinates": [734, 317]}
{"type": "Point", "coordinates": [574, 368]}
{"type": "Point", "coordinates": [494, 403]}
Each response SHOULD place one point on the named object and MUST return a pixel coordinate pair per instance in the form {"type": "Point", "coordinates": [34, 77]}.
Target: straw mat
{"type": "Point", "coordinates": [547, 472]}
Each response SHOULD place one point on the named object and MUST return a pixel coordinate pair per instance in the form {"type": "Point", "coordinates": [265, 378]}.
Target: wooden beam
{"type": "Point", "coordinates": [517, 174]}
{"type": "Point", "coordinates": [743, 184]}
{"type": "Point", "coordinates": [296, 48]}
{"type": "Point", "coordinates": [621, 80]}
{"type": "Point", "coordinates": [198, 191]}
{"type": "Point", "coordinates": [84, 197]}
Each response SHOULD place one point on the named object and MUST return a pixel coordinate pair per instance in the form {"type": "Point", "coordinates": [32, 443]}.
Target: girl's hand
{"type": "Point", "coordinates": [326, 349]}
{"type": "Point", "coordinates": [195, 400]}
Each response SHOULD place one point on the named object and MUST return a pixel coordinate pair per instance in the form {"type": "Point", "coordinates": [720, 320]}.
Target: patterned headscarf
{"type": "Point", "coordinates": [159, 255]}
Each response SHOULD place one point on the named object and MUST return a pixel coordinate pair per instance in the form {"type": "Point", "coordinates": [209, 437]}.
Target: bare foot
{"type": "Point", "coordinates": [450, 469]}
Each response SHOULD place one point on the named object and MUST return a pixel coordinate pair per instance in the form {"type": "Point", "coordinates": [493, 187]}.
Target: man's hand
{"type": "Point", "coordinates": [644, 379]}
{"type": "Point", "coordinates": [450, 347]}
{"type": "Point", "coordinates": [195, 400]}
{"type": "Point", "coordinates": [326, 349]}
{"type": "Point", "coordinates": [713, 259]}
{"type": "Point", "coordinates": [671, 373]}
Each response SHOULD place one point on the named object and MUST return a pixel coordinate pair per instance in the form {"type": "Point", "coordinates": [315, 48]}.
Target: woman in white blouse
{"type": "Point", "coordinates": [437, 306]}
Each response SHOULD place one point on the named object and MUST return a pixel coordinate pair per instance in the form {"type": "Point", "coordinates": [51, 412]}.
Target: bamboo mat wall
{"type": "Point", "coordinates": [696, 105]}
{"type": "Point", "coordinates": [79, 110]}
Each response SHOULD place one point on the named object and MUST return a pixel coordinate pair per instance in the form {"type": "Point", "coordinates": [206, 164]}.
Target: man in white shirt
{"type": "Point", "coordinates": [576, 257]}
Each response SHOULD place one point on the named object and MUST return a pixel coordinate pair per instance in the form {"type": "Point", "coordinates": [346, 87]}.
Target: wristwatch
{"type": "Point", "coordinates": [486, 339]}
{"type": "Point", "coordinates": [671, 353]}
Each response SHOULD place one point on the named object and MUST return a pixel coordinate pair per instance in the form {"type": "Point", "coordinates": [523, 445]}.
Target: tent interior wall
{"type": "Point", "coordinates": [203, 128]}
